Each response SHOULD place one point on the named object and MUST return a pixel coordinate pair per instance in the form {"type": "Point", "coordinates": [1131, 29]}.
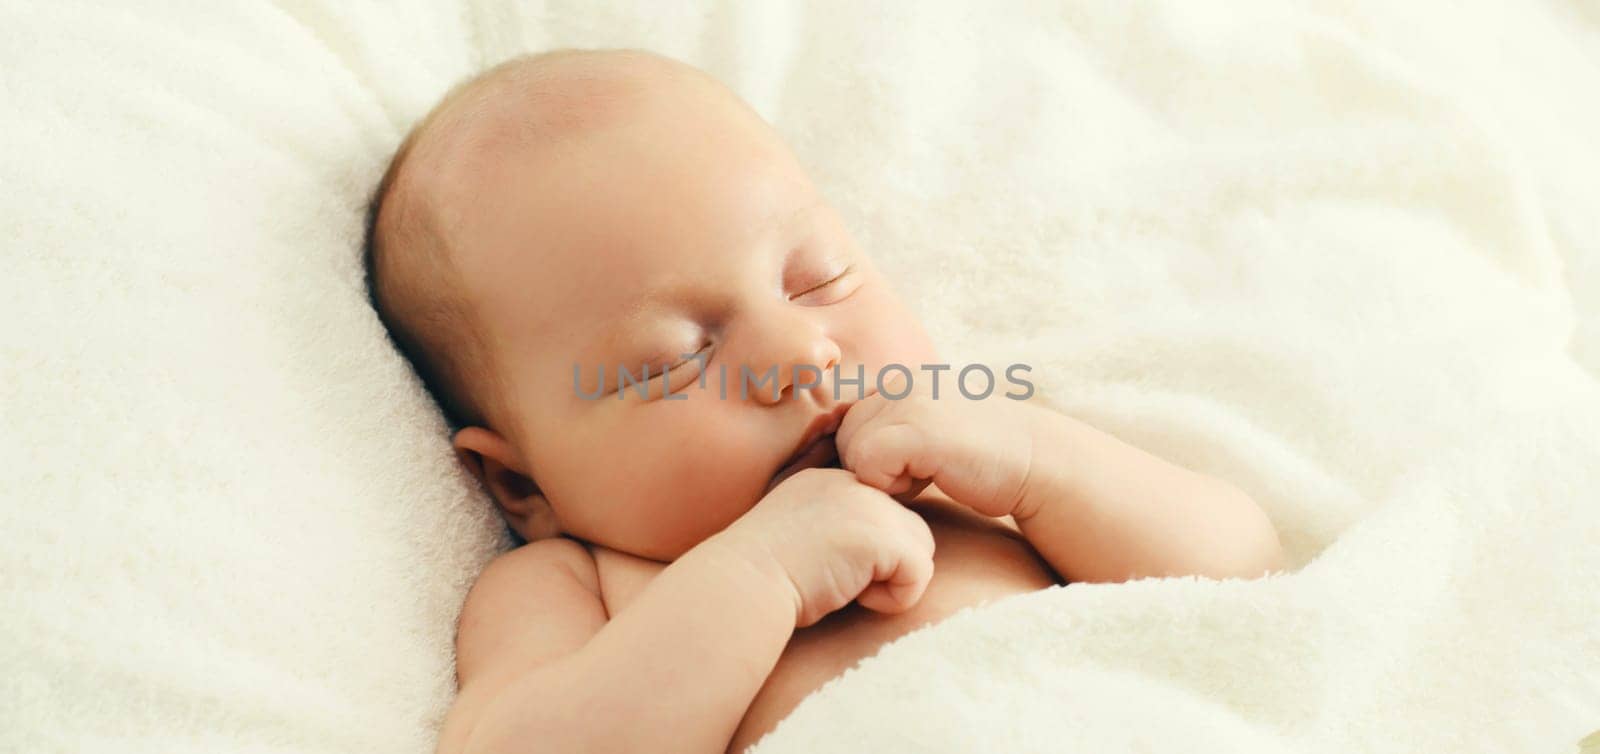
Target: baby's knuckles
{"type": "Point", "coordinates": [861, 441]}
{"type": "Point", "coordinates": [823, 534]}
{"type": "Point", "coordinates": [977, 451]}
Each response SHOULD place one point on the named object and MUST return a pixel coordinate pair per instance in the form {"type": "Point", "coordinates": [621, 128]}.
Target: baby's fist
{"type": "Point", "coordinates": [834, 540]}
{"type": "Point", "coordinates": [979, 452]}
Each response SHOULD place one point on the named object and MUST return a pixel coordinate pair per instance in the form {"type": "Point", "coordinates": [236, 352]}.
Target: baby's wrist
{"type": "Point", "coordinates": [731, 552]}
{"type": "Point", "coordinates": [1043, 484]}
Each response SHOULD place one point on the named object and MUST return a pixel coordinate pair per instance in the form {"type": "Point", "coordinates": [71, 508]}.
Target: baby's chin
{"type": "Point", "coordinates": [821, 455]}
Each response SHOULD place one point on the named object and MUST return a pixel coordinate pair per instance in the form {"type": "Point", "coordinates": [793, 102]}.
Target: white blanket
{"type": "Point", "coordinates": [1344, 254]}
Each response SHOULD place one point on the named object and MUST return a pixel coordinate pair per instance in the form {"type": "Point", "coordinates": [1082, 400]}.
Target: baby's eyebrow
{"type": "Point", "coordinates": [799, 215]}
{"type": "Point", "coordinates": [662, 298]}
{"type": "Point", "coordinates": [676, 294]}
{"type": "Point", "coordinates": [666, 298]}
{"type": "Point", "coordinates": [621, 330]}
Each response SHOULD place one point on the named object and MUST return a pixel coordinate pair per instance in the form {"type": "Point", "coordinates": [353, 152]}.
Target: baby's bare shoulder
{"type": "Point", "coordinates": [530, 605]}
{"type": "Point", "coordinates": [542, 559]}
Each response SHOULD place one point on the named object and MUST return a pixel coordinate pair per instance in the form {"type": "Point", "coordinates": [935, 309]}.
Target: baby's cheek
{"type": "Point", "coordinates": [890, 334]}
{"type": "Point", "coordinates": [724, 449]}
{"type": "Point", "coordinates": [700, 437]}
{"type": "Point", "coordinates": [708, 485]}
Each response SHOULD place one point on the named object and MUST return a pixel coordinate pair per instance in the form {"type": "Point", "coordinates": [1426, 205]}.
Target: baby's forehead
{"type": "Point", "coordinates": [551, 98]}
{"type": "Point", "coordinates": [519, 119]}
{"type": "Point", "coordinates": [542, 188]}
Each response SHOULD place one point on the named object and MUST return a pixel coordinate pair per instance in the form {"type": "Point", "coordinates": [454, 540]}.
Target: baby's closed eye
{"type": "Point", "coordinates": [828, 290]}
{"type": "Point", "coordinates": [670, 371]}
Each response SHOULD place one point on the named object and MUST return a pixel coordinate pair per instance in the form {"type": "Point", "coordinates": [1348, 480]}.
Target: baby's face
{"type": "Point", "coordinates": [683, 226]}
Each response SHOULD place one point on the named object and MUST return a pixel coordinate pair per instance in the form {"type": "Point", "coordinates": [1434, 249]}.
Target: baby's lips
{"type": "Point", "coordinates": [819, 454]}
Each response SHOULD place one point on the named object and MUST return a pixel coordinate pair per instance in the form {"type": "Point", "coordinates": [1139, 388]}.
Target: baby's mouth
{"type": "Point", "coordinates": [821, 453]}
{"type": "Point", "coordinates": [817, 452]}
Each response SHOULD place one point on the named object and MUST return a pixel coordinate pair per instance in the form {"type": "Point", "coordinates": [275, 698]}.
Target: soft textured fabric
{"type": "Point", "coordinates": [1344, 254]}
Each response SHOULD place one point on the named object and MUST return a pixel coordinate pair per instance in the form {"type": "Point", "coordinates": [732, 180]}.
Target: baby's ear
{"type": "Point", "coordinates": [497, 465]}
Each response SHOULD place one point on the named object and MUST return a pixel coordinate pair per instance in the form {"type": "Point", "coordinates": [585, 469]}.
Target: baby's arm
{"type": "Point", "coordinates": [540, 668]}
{"type": "Point", "coordinates": [1095, 507]}
{"type": "Point", "coordinates": [1099, 509]}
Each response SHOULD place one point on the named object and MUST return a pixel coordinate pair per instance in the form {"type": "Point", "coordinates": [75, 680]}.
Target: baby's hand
{"type": "Point", "coordinates": [834, 539]}
{"type": "Point", "coordinates": [979, 452]}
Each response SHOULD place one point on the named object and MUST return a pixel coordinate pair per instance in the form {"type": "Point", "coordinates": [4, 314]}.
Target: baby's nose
{"type": "Point", "coordinates": [797, 361]}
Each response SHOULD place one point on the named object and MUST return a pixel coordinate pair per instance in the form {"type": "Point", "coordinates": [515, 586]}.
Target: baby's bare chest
{"type": "Point", "coordinates": [975, 560]}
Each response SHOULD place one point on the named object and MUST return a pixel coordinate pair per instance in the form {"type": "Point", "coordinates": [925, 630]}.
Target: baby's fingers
{"type": "Point", "coordinates": [891, 457]}
{"type": "Point", "coordinates": [892, 597]}
{"type": "Point", "coordinates": [898, 587]}
{"type": "Point", "coordinates": [914, 487]}
{"type": "Point", "coordinates": [857, 418]}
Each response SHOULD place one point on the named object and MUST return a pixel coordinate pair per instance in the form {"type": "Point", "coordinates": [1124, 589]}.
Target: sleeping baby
{"type": "Point", "coordinates": [720, 432]}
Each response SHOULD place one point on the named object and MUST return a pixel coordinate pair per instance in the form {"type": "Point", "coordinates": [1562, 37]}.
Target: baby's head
{"type": "Point", "coordinates": [586, 209]}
